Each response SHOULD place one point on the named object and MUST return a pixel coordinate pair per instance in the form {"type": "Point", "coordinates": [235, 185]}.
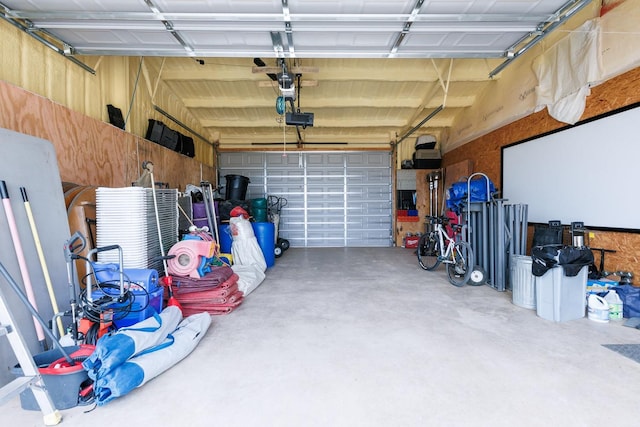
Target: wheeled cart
{"type": "Point", "coordinates": [274, 208]}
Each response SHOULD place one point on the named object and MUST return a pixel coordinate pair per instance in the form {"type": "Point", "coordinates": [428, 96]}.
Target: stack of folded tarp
{"type": "Point", "coordinates": [216, 292]}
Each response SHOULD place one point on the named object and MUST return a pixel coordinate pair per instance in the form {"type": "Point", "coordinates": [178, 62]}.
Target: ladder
{"type": "Point", "coordinates": [31, 376]}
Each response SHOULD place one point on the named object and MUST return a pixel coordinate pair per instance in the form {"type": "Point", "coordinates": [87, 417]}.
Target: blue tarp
{"type": "Point", "coordinates": [457, 193]}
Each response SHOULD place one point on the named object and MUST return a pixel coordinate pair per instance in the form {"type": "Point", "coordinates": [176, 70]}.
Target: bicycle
{"type": "Point", "coordinates": [436, 247]}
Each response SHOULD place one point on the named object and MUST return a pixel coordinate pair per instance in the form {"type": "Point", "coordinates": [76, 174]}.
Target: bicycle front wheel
{"type": "Point", "coordinates": [460, 268]}
{"type": "Point", "coordinates": [429, 251]}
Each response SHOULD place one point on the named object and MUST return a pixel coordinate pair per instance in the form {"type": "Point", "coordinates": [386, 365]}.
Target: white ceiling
{"type": "Point", "coordinates": [369, 70]}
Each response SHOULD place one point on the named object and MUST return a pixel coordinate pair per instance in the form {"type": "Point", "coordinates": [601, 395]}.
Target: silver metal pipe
{"type": "Point", "coordinates": [491, 243]}
{"type": "Point", "coordinates": [419, 125]}
{"type": "Point", "coordinates": [485, 239]}
{"type": "Point", "coordinates": [525, 228]}
{"type": "Point", "coordinates": [500, 238]}
{"type": "Point", "coordinates": [511, 242]}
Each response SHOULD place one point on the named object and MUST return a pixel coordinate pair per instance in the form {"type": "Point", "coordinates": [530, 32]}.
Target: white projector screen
{"type": "Point", "coordinates": [588, 172]}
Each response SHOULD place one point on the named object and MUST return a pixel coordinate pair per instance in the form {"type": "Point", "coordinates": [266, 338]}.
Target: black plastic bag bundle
{"type": "Point", "coordinates": [544, 258]}
{"type": "Point", "coordinates": [571, 258]}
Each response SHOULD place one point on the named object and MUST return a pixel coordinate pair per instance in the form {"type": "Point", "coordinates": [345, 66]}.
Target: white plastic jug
{"type": "Point", "coordinates": [615, 305]}
{"type": "Point", "coordinates": [597, 309]}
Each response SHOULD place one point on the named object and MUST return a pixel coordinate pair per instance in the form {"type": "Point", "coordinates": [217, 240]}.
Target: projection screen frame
{"type": "Point", "coordinates": [591, 199]}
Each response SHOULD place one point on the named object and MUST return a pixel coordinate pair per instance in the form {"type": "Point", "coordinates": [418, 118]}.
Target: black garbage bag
{"type": "Point", "coordinates": [544, 257]}
{"type": "Point", "coordinates": [571, 258]}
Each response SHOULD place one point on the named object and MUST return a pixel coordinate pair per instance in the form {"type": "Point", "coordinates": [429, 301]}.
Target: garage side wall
{"type": "Point", "coordinates": [485, 152]}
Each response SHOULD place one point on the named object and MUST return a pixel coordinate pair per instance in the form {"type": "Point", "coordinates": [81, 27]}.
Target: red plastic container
{"type": "Point", "coordinates": [411, 242]}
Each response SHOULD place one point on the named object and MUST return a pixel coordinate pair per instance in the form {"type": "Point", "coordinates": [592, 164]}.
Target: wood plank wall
{"type": "Point", "coordinates": [92, 152]}
{"type": "Point", "coordinates": [616, 93]}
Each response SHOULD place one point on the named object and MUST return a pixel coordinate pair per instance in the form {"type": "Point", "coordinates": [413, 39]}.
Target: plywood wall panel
{"type": "Point", "coordinates": [422, 205]}
{"type": "Point", "coordinates": [626, 257]}
{"type": "Point", "coordinates": [456, 172]}
{"type": "Point", "coordinates": [91, 152]}
{"type": "Point", "coordinates": [486, 154]}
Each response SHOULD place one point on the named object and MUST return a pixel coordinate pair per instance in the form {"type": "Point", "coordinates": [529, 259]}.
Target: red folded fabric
{"type": "Point", "coordinates": [223, 310]}
{"type": "Point", "coordinates": [208, 295]}
{"type": "Point", "coordinates": [222, 278]}
{"type": "Point", "coordinates": [213, 308]}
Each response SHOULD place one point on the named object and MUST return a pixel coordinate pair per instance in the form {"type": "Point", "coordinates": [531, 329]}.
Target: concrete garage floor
{"type": "Point", "coordinates": [364, 337]}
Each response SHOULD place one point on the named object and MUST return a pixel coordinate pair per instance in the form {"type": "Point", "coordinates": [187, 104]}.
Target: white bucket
{"type": "Point", "coordinates": [598, 309]}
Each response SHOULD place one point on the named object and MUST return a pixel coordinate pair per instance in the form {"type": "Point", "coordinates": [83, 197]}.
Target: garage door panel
{"type": "Point", "coordinates": [291, 194]}
{"type": "Point", "coordinates": [285, 176]}
{"type": "Point", "coordinates": [313, 183]}
{"type": "Point", "coordinates": [292, 215]}
{"type": "Point", "coordinates": [365, 176]}
{"type": "Point", "coordinates": [368, 159]}
{"type": "Point", "coordinates": [324, 195]}
{"type": "Point", "coordinates": [371, 206]}
{"type": "Point", "coordinates": [297, 242]}
{"type": "Point", "coordinates": [355, 217]}
{"type": "Point", "coordinates": [367, 233]}
{"type": "Point", "coordinates": [368, 222]}
{"type": "Point", "coordinates": [334, 199]}
{"type": "Point", "coordinates": [277, 159]}
{"type": "Point", "coordinates": [292, 227]}
{"type": "Point", "coordinates": [324, 242]}
{"type": "Point", "coordinates": [322, 218]}
{"type": "Point", "coordinates": [363, 197]}
{"type": "Point", "coordinates": [324, 160]}
{"type": "Point", "coordinates": [240, 161]}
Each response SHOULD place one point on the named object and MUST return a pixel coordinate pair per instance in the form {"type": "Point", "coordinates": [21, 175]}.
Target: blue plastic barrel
{"type": "Point", "coordinates": [225, 238]}
{"type": "Point", "coordinates": [266, 235]}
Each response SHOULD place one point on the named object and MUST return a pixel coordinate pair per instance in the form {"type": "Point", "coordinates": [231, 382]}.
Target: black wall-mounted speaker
{"type": "Point", "coordinates": [186, 146]}
{"type": "Point", "coordinates": [115, 116]}
{"type": "Point", "coordinates": [169, 138]}
{"type": "Point", "coordinates": [154, 131]}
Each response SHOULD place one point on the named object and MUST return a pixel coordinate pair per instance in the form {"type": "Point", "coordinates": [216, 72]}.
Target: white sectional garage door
{"type": "Point", "coordinates": [334, 199]}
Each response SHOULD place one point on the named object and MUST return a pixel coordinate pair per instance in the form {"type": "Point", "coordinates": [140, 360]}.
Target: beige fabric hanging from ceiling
{"type": "Point", "coordinates": [566, 71]}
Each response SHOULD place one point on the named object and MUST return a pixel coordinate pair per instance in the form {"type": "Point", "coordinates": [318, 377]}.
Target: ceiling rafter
{"type": "Point", "coordinates": [231, 102]}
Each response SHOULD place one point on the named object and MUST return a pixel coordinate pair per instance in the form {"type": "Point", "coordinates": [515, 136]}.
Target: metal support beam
{"type": "Point", "coordinates": [179, 123]}
{"type": "Point", "coordinates": [169, 26]}
{"type": "Point", "coordinates": [28, 28]}
{"type": "Point", "coordinates": [405, 28]}
{"type": "Point", "coordinates": [419, 125]}
{"type": "Point", "coordinates": [562, 15]}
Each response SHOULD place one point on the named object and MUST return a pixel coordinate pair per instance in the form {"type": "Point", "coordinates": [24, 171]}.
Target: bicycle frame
{"type": "Point", "coordinates": [437, 246]}
{"type": "Point", "coordinates": [446, 255]}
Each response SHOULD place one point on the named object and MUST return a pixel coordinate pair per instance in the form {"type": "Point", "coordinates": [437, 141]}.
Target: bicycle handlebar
{"type": "Point", "coordinates": [437, 219]}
